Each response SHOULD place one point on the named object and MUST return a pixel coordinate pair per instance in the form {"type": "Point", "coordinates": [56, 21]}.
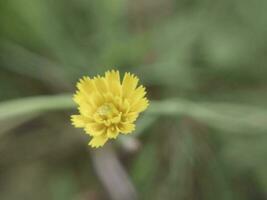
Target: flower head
{"type": "Point", "coordinates": [108, 106]}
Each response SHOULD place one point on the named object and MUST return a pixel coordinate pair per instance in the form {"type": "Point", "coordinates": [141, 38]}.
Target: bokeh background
{"type": "Point", "coordinates": [208, 57]}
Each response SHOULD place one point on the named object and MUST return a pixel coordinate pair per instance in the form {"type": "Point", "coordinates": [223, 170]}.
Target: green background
{"type": "Point", "coordinates": [204, 65]}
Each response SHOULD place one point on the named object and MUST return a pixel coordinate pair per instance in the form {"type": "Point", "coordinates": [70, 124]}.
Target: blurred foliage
{"type": "Point", "coordinates": [198, 50]}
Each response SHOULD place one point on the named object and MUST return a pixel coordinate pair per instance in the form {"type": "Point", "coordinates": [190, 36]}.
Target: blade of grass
{"type": "Point", "coordinates": [31, 105]}
{"type": "Point", "coordinates": [227, 116]}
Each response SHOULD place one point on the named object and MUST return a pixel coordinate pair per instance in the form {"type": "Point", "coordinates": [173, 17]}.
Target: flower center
{"type": "Point", "coordinates": [107, 110]}
{"type": "Point", "coordinates": [107, 114]}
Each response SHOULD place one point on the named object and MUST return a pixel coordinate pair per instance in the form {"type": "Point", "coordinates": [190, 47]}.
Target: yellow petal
{"type": "Point", "coordinates": [126, 128]}
{"type": "Point", "coordinates": [85, 107]}
{"type": "Point", "coordinates": [107, 122]}
{"type": "Point", "coordinates": [129, 84]}
{"type": "Point", "coordinates": [79, 121]}
{"type": "Point", "coordinates": [112, 76]}
{"type": "Point", "coordinates": [117, 101]}
{"type": "Point", "coordinates": [98, 141]}
{"type": "Point", "coordinates": [140, 106]}
{"type": "Point", "coordinates": [86, 91]}
{"type": "Point", "coordinates": [112, 132]}
{"type": "Point", "coordinates": [116, 119]}
{"type": "Point", "coordinates": [138, 94]}
{"type": "Point", "coordinates": [79, 98]}
{"type": "Point", "coordinates": [86, 111]}
{"type": "Point", "coordinates": [101, 85]}
{"type": "Point", "coordinates": [83, 101]}
{"type": "Point", "coordinates": [98, 119]}
{"type": "Point", "coordinates": [109, 97]}
{"type": "Point", "coordinates": [95, 129]}
{"type": "Point", "coordinates": [97, 99]}
{"type": "Point", "coordinates": [86, 86]}
{"type": "Point", "coordinates": [130, 117]}
{"type": "Point", "coordinates": [113, 80]}
{"type": "Point", "coordinates": [125, 106]}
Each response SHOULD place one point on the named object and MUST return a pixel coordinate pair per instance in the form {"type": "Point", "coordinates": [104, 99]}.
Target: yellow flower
{"type": "Point", "coordinates": [108, 106]}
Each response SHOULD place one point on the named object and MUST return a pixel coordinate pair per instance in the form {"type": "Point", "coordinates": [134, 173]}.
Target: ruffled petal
{"type": "Point", "coordinates": [95, 129]}
{"type": "Point", "coordinates": [98, 141]}
{"type": "Point", "coordinates": [129, 84]}
{"type": "Point", "coordinates": [130, 117]}
{"type": "Point", "coordinates": [79, 121]}
{"type": "Point", "coordinates": [113, 80]}
{"type": "Point", "coordinates": [86, 86]}
{"type": "Point", "coordinates": [137, 94]}
{"type": "Point", "coordinates": [112, 132]}
{"type": "Point", "coordinates": [126, 128]}
{"type": "Point", "coordinates": [140, 106]}
{"type": "Point", "coordinates": [101, 85]}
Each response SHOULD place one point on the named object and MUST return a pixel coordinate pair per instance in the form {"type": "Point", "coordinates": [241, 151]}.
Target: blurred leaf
{"type": "Point", "coordinates": [32, 105]}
